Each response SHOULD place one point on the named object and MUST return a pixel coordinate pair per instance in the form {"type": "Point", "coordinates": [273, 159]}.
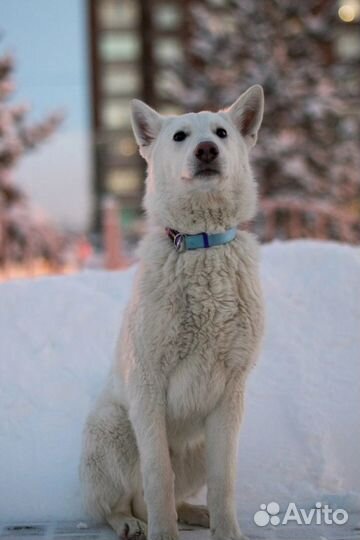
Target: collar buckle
{"type": "Point", "coordinates": [179, 242]}
{"type": "Point", "coordinates": [177, 239]}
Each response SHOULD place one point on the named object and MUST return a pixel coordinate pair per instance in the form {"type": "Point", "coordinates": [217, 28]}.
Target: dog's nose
{"type": "Point", "coordinates": [206, 151]}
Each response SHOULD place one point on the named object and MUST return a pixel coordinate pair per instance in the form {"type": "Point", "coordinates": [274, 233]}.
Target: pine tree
{"type": "Point", "coordinates": [307, 160]}
{"type": "Point", "coordinates": [25, 235]}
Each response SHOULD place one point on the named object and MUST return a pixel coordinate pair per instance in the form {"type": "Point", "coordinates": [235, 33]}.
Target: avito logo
{"type": "Point", "coordinates": [321, 514]}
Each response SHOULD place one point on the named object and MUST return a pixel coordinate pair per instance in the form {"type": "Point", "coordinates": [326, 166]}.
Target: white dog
{"type": "Point", "coordinates": [167, 422]}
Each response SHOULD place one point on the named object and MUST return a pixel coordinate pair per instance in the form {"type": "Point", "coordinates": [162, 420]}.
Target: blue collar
{"type": "Point", "coordinates": [184, 242]}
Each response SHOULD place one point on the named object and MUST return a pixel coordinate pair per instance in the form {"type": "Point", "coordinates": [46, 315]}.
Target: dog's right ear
{"type": "Point", "coordinates": [146, 124]}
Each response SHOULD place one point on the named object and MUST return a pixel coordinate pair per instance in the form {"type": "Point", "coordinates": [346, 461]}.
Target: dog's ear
{"type": "Point", "coordinates": [146, 124]}
{"type": "Point", "coordinates": [247, 113]}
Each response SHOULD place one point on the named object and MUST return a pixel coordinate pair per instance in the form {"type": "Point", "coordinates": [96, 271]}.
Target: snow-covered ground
{"type": "Point", "coordinates": [300, 440]}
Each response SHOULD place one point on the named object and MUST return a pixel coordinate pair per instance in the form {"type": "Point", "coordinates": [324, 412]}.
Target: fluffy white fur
{"type": "Point", "coordinates": [168, 419]}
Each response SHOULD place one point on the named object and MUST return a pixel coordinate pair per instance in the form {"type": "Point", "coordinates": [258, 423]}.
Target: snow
{"type": "Point", "coordinates": [300, 439]}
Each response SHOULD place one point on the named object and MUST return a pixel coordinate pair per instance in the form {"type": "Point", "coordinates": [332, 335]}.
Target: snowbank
{"type": "Point", "coordinates": [301, 435]}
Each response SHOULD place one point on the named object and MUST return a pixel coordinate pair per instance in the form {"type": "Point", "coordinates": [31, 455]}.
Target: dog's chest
{"type": "Point", "coordinates": [197, 320]}
{"type": "Point", "coordinates": [203, 329]}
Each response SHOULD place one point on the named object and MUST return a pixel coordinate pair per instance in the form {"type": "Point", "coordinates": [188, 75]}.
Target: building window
{"type": "Point", "coordinates": [132, 43]}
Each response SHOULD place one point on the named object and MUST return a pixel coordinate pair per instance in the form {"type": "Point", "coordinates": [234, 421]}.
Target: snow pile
{"type": "Point", "coordinates": [301, 436]}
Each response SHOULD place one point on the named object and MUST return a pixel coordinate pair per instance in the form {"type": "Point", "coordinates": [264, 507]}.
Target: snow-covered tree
{"type": "Point", "coordinates": [307, 161]}
{"type": "Point", "coordinates": [25, 235]}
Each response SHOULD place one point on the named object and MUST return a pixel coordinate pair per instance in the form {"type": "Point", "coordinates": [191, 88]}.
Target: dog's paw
{"type": "Point", "coordinates": [133, 529]}
{"type": "Point", "coordinates": [194, 515]}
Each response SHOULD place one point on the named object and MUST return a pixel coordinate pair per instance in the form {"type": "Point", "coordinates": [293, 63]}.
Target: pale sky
{"type": "Point", "coordinates": [49, 40]}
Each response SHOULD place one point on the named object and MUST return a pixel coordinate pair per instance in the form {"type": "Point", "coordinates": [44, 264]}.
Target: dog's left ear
{"type": "Point", "coordinates": [247, 113]}
{"type": "Point", "coordinates": [146, 124]}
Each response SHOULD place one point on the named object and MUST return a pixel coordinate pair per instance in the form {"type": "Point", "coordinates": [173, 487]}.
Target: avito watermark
{"type": "Point", "coordinates": [320, 514]}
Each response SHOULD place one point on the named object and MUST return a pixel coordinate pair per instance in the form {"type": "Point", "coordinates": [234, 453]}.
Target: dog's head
{"type": "Point", "coordinates": [199, 177]}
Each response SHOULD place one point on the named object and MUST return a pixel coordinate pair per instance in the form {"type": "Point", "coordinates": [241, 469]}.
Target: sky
{"type": "Point", "coordinates": [49, 41]}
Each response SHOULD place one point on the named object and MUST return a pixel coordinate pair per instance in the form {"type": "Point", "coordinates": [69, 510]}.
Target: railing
{"type": "Point", "coordinates": [289, 218]}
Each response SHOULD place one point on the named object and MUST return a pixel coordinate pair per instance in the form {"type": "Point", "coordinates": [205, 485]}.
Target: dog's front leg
{"type": "Point", "coordinates": [149, 422]}
{"type": "Point", "coordinates": [222, 429]}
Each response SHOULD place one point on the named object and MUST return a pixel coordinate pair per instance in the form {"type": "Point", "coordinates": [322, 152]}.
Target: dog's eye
{"type": "Point", "coordinates": [179, 136]}
{"type": "Point", "coordinates": [221, 132]}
